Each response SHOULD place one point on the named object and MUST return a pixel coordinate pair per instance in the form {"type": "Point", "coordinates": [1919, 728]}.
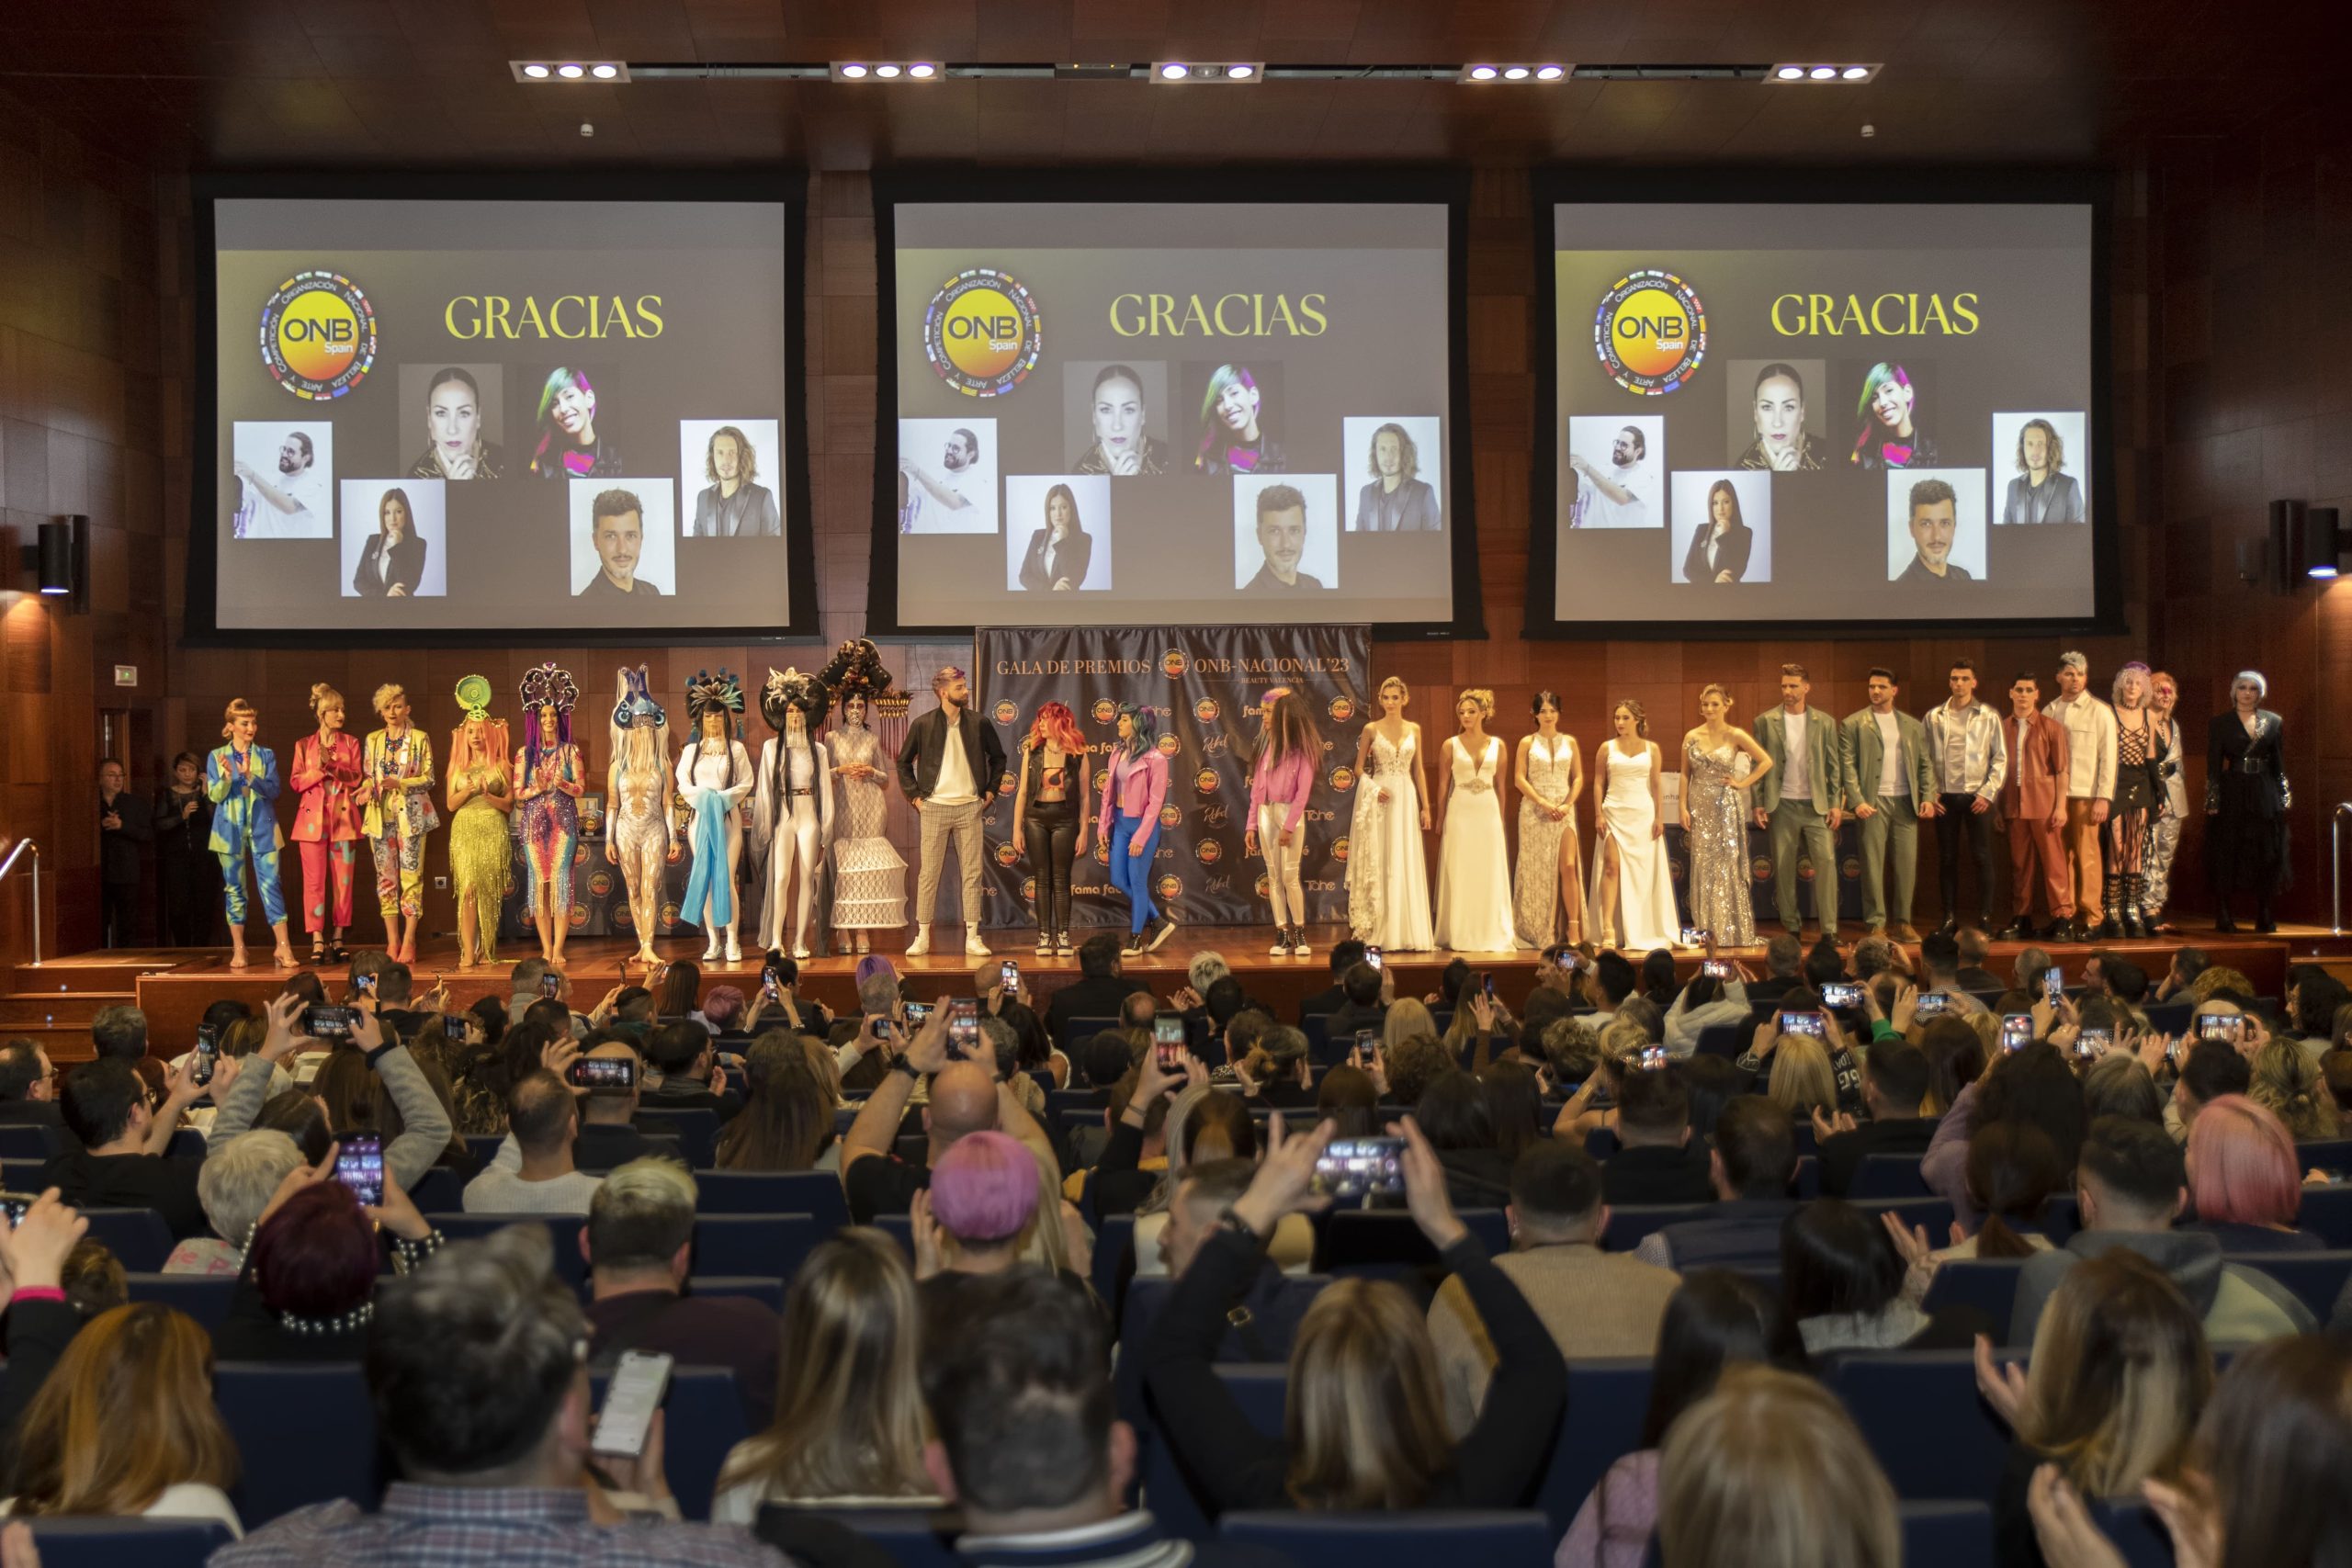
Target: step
{"type": "Point", "coordinates": [64, 1042]}
{"type": "Point", "coordinates": [76, 1008]}
{"type": "Point", "coordinates": [99, 971]}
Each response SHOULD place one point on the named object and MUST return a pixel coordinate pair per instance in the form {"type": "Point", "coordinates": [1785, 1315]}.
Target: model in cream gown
{"type": "Point", "coordinates": [1388, 876]}
{"type": "Point", "coordinates": [1633, 889]}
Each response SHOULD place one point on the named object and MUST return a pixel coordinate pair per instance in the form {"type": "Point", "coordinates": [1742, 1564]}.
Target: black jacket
{"type": "Point", "coordinates": [119, 847]}
{"type": "Point", "coordinates": [1841, 1154]}
{"type": "Point", "coordinates": [1323, 1002]}
{"type": "Point", "coordinates": [1739, 543]}
{"type": "Point", "coordinates": [1088, 998]}
{"type": "Point", "coordinates": [405, 569]}
{"type": "Point", "coordinates": [186, 840]}
{"type": "Point", "coordinates": [1657, 1174]}
{"type": "Point", "coordinates": [927, 736]}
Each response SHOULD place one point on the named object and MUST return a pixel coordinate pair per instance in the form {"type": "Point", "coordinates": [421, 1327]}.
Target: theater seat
{"type": "Point", "coordinates": [767, 1292]}
{"type": "Point", "coordinates": [701, 1417]}
{"type": "Point", "coordinates": [1888, 1176]}
{"type": "Point", "coordinates": [1606, 1403]}
{"type": "Point", "coordinates": [1168, 1492]}
{"type": "Point", "coordinates": [2316, 1278]}
{"type": "Point", "coordinates": [817, 1193]}
{"type": "Point", "coordinates": [563, 1230]}
{"type": "Point", "coordinates": [308, 1434]}
{"type": "Point", "coordinates": [1989, 1284]}
{"type": "Point", "coordinates": [2325, 1154]}
{"type": "Point", "coordinates": [1497, 1540]}
{"type": "Point", "coordinates": [29, 1143]}
{"type": "Point", "coordinates": [1921, 1415]}
{"type": "Point", "coordinates": [439, 1188]}
{"type": "Point", "coordinates": [67, 1543]}
{"type": "Point", "coordinates": [1076, 1031]}
{"type": "Point", "coordinates": [204, 1297]}
{"type": "Point", "coordinates": [2328, 1212]}
{"type": "Point", "coordinates": [1386, 1241]}
{"type": "Point", "coordinates": [1946, 1535]}
{"type": "Point", "coordinates": [2138, 1534]}
{"type": "Point", "coordinates": [695, 1126]}
{"type": "Point", "coordinates": [138, 1237]}
{"type": "Point", "coordinates": [771, 1245]}
{"type": "Point", "coordinates": [913, 1539]}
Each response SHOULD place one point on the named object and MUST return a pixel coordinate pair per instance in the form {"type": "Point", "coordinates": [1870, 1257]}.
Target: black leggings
{"type": "Point", "coordinates": [1051, 829]}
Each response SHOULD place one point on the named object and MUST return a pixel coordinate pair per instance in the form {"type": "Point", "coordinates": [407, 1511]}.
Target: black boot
{"type": "Point", "coordinates": [2221, 921]}
{"type": "Point", "coordinates": [2135, 924]}
{"type": "Point", "coordinates": [2110, 926]}
{"type": "Point", "coordinates": [2263, 921]}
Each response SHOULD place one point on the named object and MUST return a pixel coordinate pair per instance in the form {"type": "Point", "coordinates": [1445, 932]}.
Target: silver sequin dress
{"type": "Point", "coordinates": [1721, 898]}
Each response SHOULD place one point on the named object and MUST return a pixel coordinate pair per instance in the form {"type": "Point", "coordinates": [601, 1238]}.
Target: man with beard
{"type": "Point", "coordinates": [924, 488]}
{"type": "Point", "coordinates": [288, 506]}
{"type": "Point", "coordinates": [1282, 533]}
{"type": "Point", "coordinates": [1933, 525]}
{"type": "Point", "coordinates": [616, 525]}
{"type": "Point", "coordinates": [1397, 501]}
{"type": "Point", "coordinates": [1617, 497]}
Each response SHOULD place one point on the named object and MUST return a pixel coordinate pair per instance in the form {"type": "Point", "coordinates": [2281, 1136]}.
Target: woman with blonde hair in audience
{"type": "Point", "coordinates": [1365, 1424]}
{"type": "Point", "coordinates": [2244, 1177]}
{"type": "Point", "coordinates": [849, 1424]}
{"type": "Point", "coordinates": [2289, 1084]}
{"type": "Point", "coordinates": [1803, 1079]}
{"type": "Point", "coordinates": [786, 1122]}
{"type": "Point", "coordinates": [2118, 1375]}
{"type": "Point", "coordinates": [125, 1426]}
{"type": "Point", "coordinates": [1770, 1471]}
{"type": "Point", "coordinates": [1405, 1017]}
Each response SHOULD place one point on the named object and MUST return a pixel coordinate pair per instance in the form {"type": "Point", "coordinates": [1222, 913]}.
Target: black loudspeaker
{"type": "Point", "coordinates": [2322, 555]}
{"type": "Point", "coordinates": [2285, 539]}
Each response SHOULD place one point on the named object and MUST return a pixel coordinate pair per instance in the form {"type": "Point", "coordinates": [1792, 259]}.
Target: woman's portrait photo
{"type": "Point", "coordinates": [1239, 423]}
{"type": "Point", "coordinates": [1723, 524]}
{"type": "Point", "coordinates": [1121, 414]}
{"type": "Point", "coordinates": [1057, 532]}
{"type": "Point", "coordinates": [463, 419]}
{"type": "Point", "coordinates": [1890, 424]}
{"type": "Point", "coordinates": [1775, 417]}
{"type": "Point", "coordinates": [567, 445]}
{"type": "Point", "coordinates": [394, 544]}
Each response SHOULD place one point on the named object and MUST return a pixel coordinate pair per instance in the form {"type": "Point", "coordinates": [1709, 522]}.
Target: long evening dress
{"type": "Point", "coordinates": [869, 876]}
{"type": "Point", "coordinates": [1549, 851]}
{"type": "Point", "coordinates": [1388, 879]}
{"type": "Point", "coordinates": [1721, 900]}
{"type": "Point", "coordinates": [1473, 899]}
{"type": "Point", "coordinates": [1644, 915]}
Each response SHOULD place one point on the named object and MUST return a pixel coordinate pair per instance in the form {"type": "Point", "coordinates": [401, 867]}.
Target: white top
{"type": "Point", "coordinates": [501, 1191]}
{"type": "Point", "coordinates": [181, 1500]}
{"type": "Point", "coordinates": [1890, 766]}
{"type": "Point", "coordinates": [954, 786]}
{"type": "Point", "coordinates": [1634, 511]}
{"type": "Point", "coordinates": [1796, 772]}
{"type": "Point", "coordinates": [309, 519]}
{"type": "Point", "coordinates": [2090, 742]}
{"type": "Point", "coordinates": [729, 770]}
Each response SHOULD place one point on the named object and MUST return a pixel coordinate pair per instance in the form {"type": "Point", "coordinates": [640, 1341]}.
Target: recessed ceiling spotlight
{"type": "Point", "coordinates": [1242, 71]}
{"type": "Point", "coordinates": [1482, 73]}
{"type": "Point", "coordinates": [604, 72]}
{"type": "Point", "coordinates": [1856, 73]}
{"type": "Point", "coordinates": [923, 71]}
{"type": "Point", "coordinates": [1549, 72]}
{"type": "Point", "coordinates": [855, 72]}
{"type": "Point", "coordinates": [1790, 73]}
{"type": "Point", "coordinates": [1515, 74]}
{"type": "Point", "coordinates": [536, 72]}
{"type": "Point", "coordinates": [1174, 71]}
{"type": "Point", "coordinates": [570, 73]}
{"type": "Point", "coordinates": [887, 72]}
{"type": "Point", "coordinates": [1822, 73]}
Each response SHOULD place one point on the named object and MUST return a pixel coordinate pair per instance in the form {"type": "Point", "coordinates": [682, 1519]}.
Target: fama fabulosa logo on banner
{"type": "Point", "coordinates": [1650, 332]}
{"type": "Point", "coordinates": [317, 335]}
{"type": "Point", "coordinates": [982, 332]}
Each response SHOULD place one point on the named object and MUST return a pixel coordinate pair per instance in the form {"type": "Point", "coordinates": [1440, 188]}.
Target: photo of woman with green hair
{"type": "Point", "coordinates": [1233, 427]}
{"type": "Point", "coordinates": [1888, 411]}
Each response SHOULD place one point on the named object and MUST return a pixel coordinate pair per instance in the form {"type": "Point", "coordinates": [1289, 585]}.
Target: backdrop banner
{"type": "Point", "coordinates": [1209, 685]}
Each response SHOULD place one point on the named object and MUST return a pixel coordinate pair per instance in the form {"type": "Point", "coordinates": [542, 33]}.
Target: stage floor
{"type": "Point", "coordinates": [56, 998]}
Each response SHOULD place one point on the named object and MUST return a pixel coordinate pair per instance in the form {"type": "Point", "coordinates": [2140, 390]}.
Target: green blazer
{"type": "Point", "coordinates": [1864, 751]}
{"type": "Point", "coordinates": [1822, 749]}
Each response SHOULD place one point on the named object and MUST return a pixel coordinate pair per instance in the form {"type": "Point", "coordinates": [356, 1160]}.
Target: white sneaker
{"type": "Point", "coordinates": [734, 951]}
{"type": "Point", "coordinates": [974, 947]}
{"type": "Point", "coordinates": [1045, 944]}
{"type": "Point", "coordinates": [710, 954]}
{"type": "Point", "coordinates": [800, 954]}
{"type": "Point", "coordinates": [862, 944]}
{"type": "Point", "coordinates": [1281, 948]}
{"type": "Point", "coordinates": [1300, 950]}
{"type": "Point", "coordinates": [922, 944]}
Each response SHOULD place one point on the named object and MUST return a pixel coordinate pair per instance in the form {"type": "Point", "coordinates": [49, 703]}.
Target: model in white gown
{"type": "Point", "coordinates": [1645, 915]}
{"type": "Point", "coordinates": [1389, 877]}
{"type": "Point", "coordinates": [1474, 893]}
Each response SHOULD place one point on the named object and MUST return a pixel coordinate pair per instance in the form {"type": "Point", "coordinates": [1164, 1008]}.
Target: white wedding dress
{"type": "Point", "coordinates": [1645, 917]}
{"type": "Point", "coordinates": [1388, 875]}
{"type": "Point", "coordinates": [1474, 893]}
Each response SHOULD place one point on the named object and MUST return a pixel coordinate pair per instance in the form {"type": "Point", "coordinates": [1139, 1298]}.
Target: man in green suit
{"type": "Point", "coordinates": [1888, 783]}
{"type": "Point", "coordinates": [1801, 798]}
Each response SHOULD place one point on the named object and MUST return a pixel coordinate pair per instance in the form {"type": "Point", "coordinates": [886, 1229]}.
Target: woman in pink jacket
{"type": "Point", "coordinates": [1129, 828]}
{"type": "Point", "coordinates": [1290, 752]}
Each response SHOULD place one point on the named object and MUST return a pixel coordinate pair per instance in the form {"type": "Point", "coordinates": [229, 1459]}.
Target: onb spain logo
{"type": "Point", "coordinates": [318, 334]}
{"type": "Point", "coordinates": [981, 333]}
{"type": "Point", "coordinates": [1650, 331]}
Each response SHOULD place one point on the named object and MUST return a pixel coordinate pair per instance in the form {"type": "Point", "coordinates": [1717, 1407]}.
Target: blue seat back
{"type": "Point", "coordinates": [766, 1290]}
{"type": "Point", "coordinates": [695, 1126]}
{"type": "Point", "coordinates": [1629, 1223]}
{"type": "Point", "coordinates": [2325, 1154]}
{"type": "Point", "coordinates": [771, 1246]}
{"type": "Point", "coordinates": [1114, 1246]}
{"type": "Point", "coordinates": [701, 1417]}
{"type": "Point", "coordinates": [1500, 1540]}
{"type": "Point", "coordinates": [1888, 1176]}
{"type": "Point", "coordinates": [1989, 1284]}
{"type": "Point", "coordinates": [1271, 1332]}
{"type": "Point", "coordinates": [2138, 1534]}
{"type": "Point", "coordinates": [1075, 1031]}
{"type": "Point", "coordinates": [204, 1297]}
{"type": "Point", "coordinates": [439, 1188]}
{"type": "Point", "coordinates": [483, 1146]}
{"type": "Point", "coordinates": [1383, 1241]}
{"type": "Point", "coordinates": [1921, 1415]}
{"type": "Point", "coordinates": [563, 1230]}
{"type": "Point", "coordinates": [138, 1237]}
{"type": "Point", "coordinates": [29, 1143]}
{"type": "Point", "coordinates": [70, 1543]}
{"type": "Point", "coordinates": [1609, 1399]}
{"type": "Point", "coordinates": [1947, 1534]}
{"type": "Point", "coordinates": [1725, 1040]}
{"type": "Point", "coordinates": [912, 1538]}
{"type": "Point", "coordinates": [2316, 1278]}
{"type": "Point", "coordinates": [2327, 1210]}
{"type": "Point", "coordinates": [816, 1193]}
{"type": "Point", "coordinates": [308, 1432]}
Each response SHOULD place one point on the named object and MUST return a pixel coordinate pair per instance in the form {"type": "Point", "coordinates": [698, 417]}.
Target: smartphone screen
{"type": "Point", "coordinates": [208, 1054]}
{"type": "Point", "coordinates": [324, 1022]}
{"type": "Point", "coordinates": [2094, 1042]}
{"type": "Point", "coordinates": [1717, 968]}
{"type": "Point", "coordinates": [359, 1164]}
{"type": "Point", "coordinates": [1694, 936]}
{"type": "Point", "coordinates": [769, 985]}
{"type": "Point", "coordinates": [2220, 1026]}
{"type": "Point", "coordinates": [1168, 1040]}
{"type": "Point", "coordinates": [1653, 1058]}
{"type": "Point", "coordinates": [1842, 993]}
{"type": "Point", "coordinates": [1931, 1003]}
{"type": "Point", "coordinates": [2053, 985]}
{"type": "Point", "coordinates": [1010, 976]}
{"type": "Point", "coordinates": [603, 1073]}
{"type": "Point", "coordinates": [1488, 985]}
{"type": "Point", "coordinates": [1368, 1042]}
{"type": "Point", "coordinates": [630, 1399]}
{"type": "Point", "coordinates": [1360, 1169]}
{"type": "Point", "coordinates": [1811, 1023]}
{"type": "Point", "coordinates": [550, 984]}
{"type": "Point", "coordinates": [1571, 960]}
{"type": "Point", "coordinates": [2017, 1030]}
{"type": "Point", "coordinates": [919, 1013]}
{"type": "Point", "coordinates": [1372, 956]}
{"type": "Point", "coordinates": [964, 1026]}
{"type": "Point", "coordinates": [363, 985]}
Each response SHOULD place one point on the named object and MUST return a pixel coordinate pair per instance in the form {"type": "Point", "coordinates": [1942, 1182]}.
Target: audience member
{"type": "Point", "coordinates": [682, 1072]}
{"type": "Point", "coordinates": [1347, 1098]}
{"type": "Point", "coordinates": [2287, 1081]}
{"type": "Point", "coordinates": [1099, 990]}
{"type": "Point", "coordinates": [1345, 956]}
{"type": "Point", "coordinates": [1843, 1280]}
{"type": "Point", "coordinates": [542, 1124]}
{"type": "Point", "coordinates": [234, 1185]}
{"type": "Point", "coordinates": [2118, 1085]}
{"type": "Point", "coordinates": [1975, 950]}
{"type": "Point", "coordinates": [1752, 1163]}
{"type": "Point", "coordinates": [382, 1076]}
{"type": "Point", "coordinates": [1955, 1054]}
{"type": "Point", "coordinates": [118, 1033]}
{"type": "Point", "coordinates": [1276, 1071]}
{"type": "Point", "coordinates": [1514, 1104]}
{"type": "Point", "coordinates": [1895, 1080]}
{"type": "Point", "coordinates": [987, 1209]}
{"type": "Point", "coordinates": [28, 1090]}
{"type": "Point", "coordinates": [786, 1122]}
{"type": "Point", "coordinates": [1657, 1159]}
{"type": "Point", "coordinates": [965, 1097]}
{"type": "Point", "coordinates": [1804, 1081]}
{"type": "Point", "coordinates": [306, 1294]}
{"type": "Point", "coordinates": [1708, 1003]}
{"type": "Point", "coordinates": [2034, 1084]}
{"type": "Point", "coordinates": [120, 1163]}
{"type": "Point", "coordinates": [1784, 958]}
{"type": "Point", "coordinates": [2210, 1070]}
{"type": "Point", "coordinates": [1452, 1114]}
{"type": "Point", "coordinates": [2244, 1179]}
{"type": "Point", "coordinates": [1366, 1007]}
{"type": "Point", "coordinates": [1769, 1472]}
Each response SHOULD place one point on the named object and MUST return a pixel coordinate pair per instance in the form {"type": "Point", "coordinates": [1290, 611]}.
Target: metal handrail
{"type": "Point", "coordinates": [23, 844]}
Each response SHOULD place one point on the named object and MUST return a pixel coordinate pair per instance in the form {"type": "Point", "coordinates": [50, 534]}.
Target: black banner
{"type": "Point", "coordinates": [1209, 684]}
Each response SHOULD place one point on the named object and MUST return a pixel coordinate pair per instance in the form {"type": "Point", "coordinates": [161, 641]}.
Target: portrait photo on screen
{"type": "Point", "coordinates": [1399, 473]}
{"type": "Point", "coordinates": [624, 540]}
{"type": "Point", "coordinates": [1116, 412]}
{"type": "Point", "coordinates": [1233, 418]}
{"type": "Point", "coordinates": [2043, 464]}
{"type": "Point", "coordinates": [1285, 533]}
{"type": "Point", "coordinates": [1896, 420]}
{"type": "Point", "coordinates": [948, 470]}
{"type": "Point", "coordinates": [1723, 527]}
{"type": "Point", "coordinates": [395, 538]}
{"type": "Point", "coordinates": [575, 420]}
{"type": "Point", "coordinates": [284, 474]}
{"type": "Point", "coordinates": [1935, 527]}
{"type": "Point", "coordinates": [1058, 535]}
{"type": "Point", "coordinates": [1616, 466]}
{"type": "Point", "coordinates": [456, 420]}
{"type": "Point", "coordinates": [1779, 417]}
{"type": "Point", "coordinates": [725, 466]}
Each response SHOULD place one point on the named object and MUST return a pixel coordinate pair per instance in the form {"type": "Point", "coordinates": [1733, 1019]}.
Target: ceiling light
{"type": "Point", "coordinates": [1856, 73]}
{"type": "Point", "coordinates": [1482, 73]}
{"type": "Point", "coordinates": [1516, 74]}
{"type": "Point", "coordinates": [923, 72]}
{"type": "Point", "coordinates": [1549, 72]}
{"type": "Point", "coordinates": [1174, 72]}
{"type": "Point", "coordinates": [1790, 72]}
{"type": "Point", "coordinates": [854, 72]}
{"type": "Point", "coordinates": [1822, 73]}
{"type": "Point", "coordinates": [1808, 71]}
{"type": "Point", "coordinates": [570, 73]}
{"type": "Point", "coordinates": [1242, 71]}
{"type": "Point", "coordinates": [536, 72]}
{"type": "Point", "coordinates": [887, 72]}
{"type": "Point", "coordinates": [604, 72]}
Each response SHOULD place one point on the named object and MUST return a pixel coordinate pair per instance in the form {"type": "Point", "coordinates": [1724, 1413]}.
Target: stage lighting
{"type": "Point", "coordinates": [923, 71]}
{"type": "Point", "coordinates": [887, 72]}
{"type": "Point", "coordinates": [2322, 551]}
{"type": "Point", "coordinates": [59, 559]}
{"type": "Point", "coordinates": [1549, 72]}
{"type": "Point", "coordinates": [1515, 74]}
{"type": "Point", "coordinates": [570, 73]}
{"type": "Point", "coordinates": [1207, 73]}
{"type": "Point", "coordinates": [604, 72]}
{"type": "Point", "coordinates": [1856, 73]}
{"type": "Point", "coordinates": [1808, 71]}
{"type": "Point", "coordinates": [537, 72]}
{"type": "Point", "coordinates": [548, 72]}
{"type": "Point", "coordinates": [1242, 72]}
{"type": "Point", "coordinates": [854, 72]}
{"type": "Point", "coordinates": [1174, 71]}
{"type": "Point", "coordinates": [1482, 73]}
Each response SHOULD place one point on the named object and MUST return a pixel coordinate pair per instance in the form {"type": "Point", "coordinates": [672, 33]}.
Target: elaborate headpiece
{"type": "Point", "coordinates": [473, 696]}
{"type": "Point", "coordinates": [855, 671]}
{"type": "Point", "coordinates": [541, 686]}
{"type": "Point", "coordinates": [633, 703]}
{"type": "Point", "coordinates": [707, 693]}
{"type": "Point", "coordinates": [788, 689]}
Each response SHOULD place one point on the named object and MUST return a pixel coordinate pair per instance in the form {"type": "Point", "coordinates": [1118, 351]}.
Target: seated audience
{"type": "Point", "coordinates": [119, 1035]}
{"type": "Point", "coordinates": [1276, 1071]}
{"type": "Point", "coordinates": [1784, 958]}
{"type": "Point", "coordinates": [307, 1291]}
{"type": "Point", "coordinates": [2288, 1082]}
{"type": "Point", "coordinates": [542, 1122]}
{"type": "Point", "coordinates": [1366, 1005]}
{"type": "Point", "coordinates": [1593, 1302]}
{"type": "Point", "coordinates": [2244, 1180]}
{"type": "Point", "coordinates": [965, 1097]}
{"type": "Point", "coordinates": [28, 1088]}
{"type": "Point", "coordinates": [2130, 1186]}
{"type": "Point", "coordinates": [235, 1184]}
{"type": "Point", "coordinates": [1515, 1104]}
{"type": "Point", "coordinates": [121, 1162]}
{"type": "Point", "coordinates": [1955, 1054]}
{"type": "Point", "coordinates": [1098, 992]}
{"type": "Point", "coordinates": [381, 1075]}
{"type": "Point", "coordinates": [1769, 1472]}
{"type": "Point", "coordinates": [1362, 1364]}
{"type": "Point", "coordinates": [849, 1422]}
{"type": "Point", "coordinates": [2033, 1085]}
{"type": "Point", "coordinates": [1410, 1065]}
{"type": "Point", "coordinates": [1716, 1320]}
{"type": "Point", "coordinates": [2210, 1070]}
{"type": "Point", "coordinates": [680, 1067]}
{"type": "Point", "coordinates": [1843, 1280]}
{"type": "Point", "coordinates": [1703, 1004]}
{"type": "Point", "coordinates": [1658, 1158]}
{"type": "Point", "coordinates": [1804, 1080]}
{"type": "Point", "coordinates": [1895, 1080]}
{"type": "Point", "coordinates": [985, 1212]}
{"type": "Point", "coordinates": [787, 1122]}
{"type": "Point", "coordinates": [1348, 1098]}
{"type": "Point", "coordinates": [1975, 951]}
{"type": "Point", "coordinates": [1453, 1116]}
{"type": "Point", "coordinates": [1752, 1162]}
{"type": "Point", "coordinates": [1344, 955]}
{"type": "Point", "coordinates": [2118, 1085]}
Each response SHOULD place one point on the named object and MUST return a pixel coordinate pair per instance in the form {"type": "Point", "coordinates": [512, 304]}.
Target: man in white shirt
{"type": "Point", "coordinates": [2091, 784]}
{"type": "Point", "coordinates": [542, 1116]}
{"type": "Point", "coordinates": [288, 504]}
{"type": "Point", "coordinates": [1888, 788]}
{"type": "Point", "coordinates": [1970, 760]}
{"type": "Point", "coordinates": [944, 488]}
{"type": "Point", "coordinates": [1801, 798]}
{"type": "Point", "coordinates": [950, 766]}
{"type": "Point", "coordinates": [1616, 495]}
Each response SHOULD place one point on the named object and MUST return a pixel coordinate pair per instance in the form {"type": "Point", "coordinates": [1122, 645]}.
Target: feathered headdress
{"type": "Point", "coordinates": [633, 703]}
{"type": "Point", "coordinates": [707, 693]}
{"type": "Point", "coordinates": [855, 671]}
{"type": "Point", "coordinates": [788, 689]}
{"type": "Point", "coordinates": [541, 686]}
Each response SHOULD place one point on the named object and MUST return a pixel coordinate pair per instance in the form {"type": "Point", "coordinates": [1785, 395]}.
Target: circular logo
{"type": "Point", "coordinates": [1168, 888]}
{"type": "Point", "coordinates": [1028, 889]}
{"type": "Point", "coordinates": [669, 913]}
{"type": "Point", "coordinates": [1760, 868]}
{"type": "Point", "coordinates": [578, 917]}
{"type": "Point", "coordinates": [1209, 850]}
{"type": "Point", "coordinates": [1805, 871]}
{"type": "Point", "coordinates": [1105, 710]}
{"type": "Point", "coordinates": [1650, 331]}
{"type": "Point", "coordinates": [1006, 855]}
{"type": "Point", "coordinates": [1006, 712]}
{"type": "Point", "coordinates": [1340, 850]}
{"type": "Point", "coordinates": [1342, 709]}
{"type": "Point", "coordinates": [1207, 710]}
{"type": "Point", "coordinates": [579, 854]}
{"type": "Point", "coordinates": [1850, 868]}
{"type": "Point", "coordinates": [1168, 745]}
{"type": "Point", "coordinates": [1102, 853]}
{"type": "Point", "coordinates": [1171, 815]}
{"type": "Point", "coordinates": [318, 334]}
{"type": "Point", "coordinates": [1173, 663]}
{"type": "Point", "coordinates": [1343, 778]}
{"type": "Point", "coordinates": [1205, 781]}
{"type": "Point", "coordinates": [1263, 883]}
{"type": "Point", "coordinates": [980, 333]}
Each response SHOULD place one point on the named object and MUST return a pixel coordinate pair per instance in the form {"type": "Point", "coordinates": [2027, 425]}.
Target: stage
{"type": "Point", "coordinates": [55, 1002]}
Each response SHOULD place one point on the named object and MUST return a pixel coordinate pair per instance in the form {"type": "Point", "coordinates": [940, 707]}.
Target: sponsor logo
{"type": "Point", "coordinates": [1207, 710]}
{"type": "Point", "coordinates": [1261, 884]}
{"type": "Point", "coordinates": [668, 912]}
{"type": "Point", "coordinates": [1006, 856]}
{"type": "Point", "coordinates": [1650, 332]}
{"type": "Point", "coordinates": [1006, 710]}
{"type": "Point", "coordinates": [1315, 814]}
{"type": "Point", "coordinates": [579, 854]}
{"type": "Point", "coordinates": [1217, 745]}
{"type": "Point", "coordinates": [1217, 887]}
{"type": "Point", "coordinates": [624, 917]}
{"type": "Point", "coordinates": [1209, 850]}
{"type": "Point", "coordinates": [1175, 662]}
{"type": "Point", "coordinates": [1340, 850]}
{"type": "Point", "coordinates": [1102, 853]}
{"type": "Point", "coordinates": [1760, 868]}
{"type": "Point", "coordinates": [1205, 781]}
{"type": "Point", "coordinates": [982, 331]}
{"type": "Point", "coordinates": [600, 883]}
{"type": "Point", "coordinates": [1167, 889]}
{"type": "Point", "coordinates": [1805, 871]}
{"type": "Point", "coordinates": [577, 916]}
{"type": "Point", "coordinates": [1105, 710]}
{"type": "Point", "coordinates": [1343, 778]}
{"type": "Point", "coordinates": [1214, 815]}
{"type": "Point", "coordinates": [1318, 884]}
{"type": "Point", "coordinates": [1028, 889]}
{"type": "Point", "coordinates": [1168, 745]}
{"type": "Point", "coordinates": [1342, 709]}
{"type": "Point", "coordinates": [1171, 815]}
{"type": "Point", "coordinates": [317, 335]}
{"type": "Point", "coordinates": [1850, 868]}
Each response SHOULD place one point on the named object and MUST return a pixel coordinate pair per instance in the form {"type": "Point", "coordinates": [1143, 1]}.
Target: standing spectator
{"type": "Point", "coordinates": [186, 868]}
{"type": "Point", "coordinates": [124, 826]}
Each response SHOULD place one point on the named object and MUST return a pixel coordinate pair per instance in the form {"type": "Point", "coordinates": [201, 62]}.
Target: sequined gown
{"type": "Point", "coordinates": [481, 853]}
{"type": "Point", "coordinates": [1721, 901]}
{"type": "Point", "coordinates": [548, 824]}
{"type": "Point", "coordinates": [1388, 874]}
{"type": "Point", "coordinates": [1548, 849]}
{"type": "Point", "coordinates": [869, 876]}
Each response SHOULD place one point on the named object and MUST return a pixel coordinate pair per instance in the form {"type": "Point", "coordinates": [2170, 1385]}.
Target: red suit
{"type": "Point", "coordinates": [326, 824]}
{"type": "Point", "coordinates": [2034, 792]}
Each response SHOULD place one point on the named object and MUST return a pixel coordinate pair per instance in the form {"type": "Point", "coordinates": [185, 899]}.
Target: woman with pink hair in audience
{"type": "Point", "coordinates": [2244, 1179]}
{"type": "Point", "coordinates": [988, 1209]}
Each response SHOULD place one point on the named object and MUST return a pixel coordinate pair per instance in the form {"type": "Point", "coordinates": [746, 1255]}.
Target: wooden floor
{"type": "Point", "coordinates": [174, 986]}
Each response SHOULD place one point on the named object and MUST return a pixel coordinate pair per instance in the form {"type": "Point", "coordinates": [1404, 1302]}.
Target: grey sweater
{"type": "Point", "coordinates": [2239, 1305]}
{"type": "Point", "coordinates": [425, 1125]}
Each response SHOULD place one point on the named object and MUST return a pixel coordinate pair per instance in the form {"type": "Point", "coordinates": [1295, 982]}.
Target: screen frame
{"type": "Point", "coordinates": [783, 187]}
{"type": "Point", "coordinates": [1289, 187]}
{"type": "Point", "coordinates": [1555, 187]}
